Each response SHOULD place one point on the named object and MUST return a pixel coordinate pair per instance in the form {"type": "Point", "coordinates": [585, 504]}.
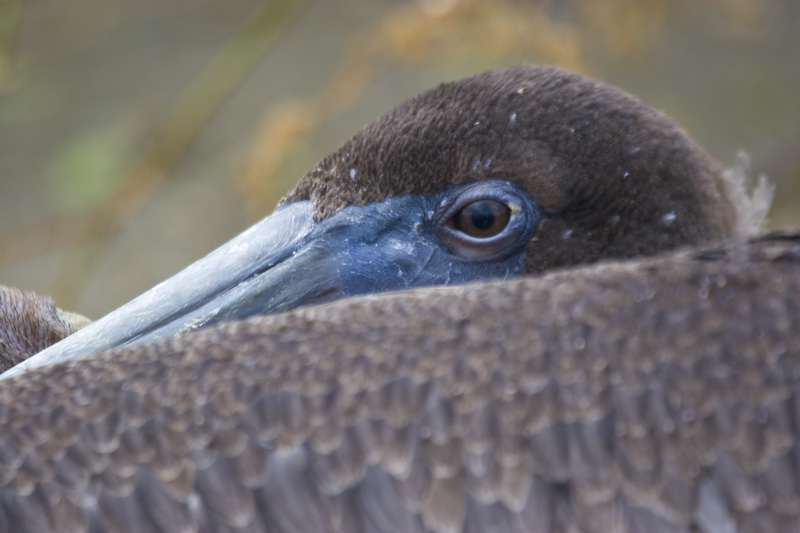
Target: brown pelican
{"type": "Point", "coordinates": [655, 394]}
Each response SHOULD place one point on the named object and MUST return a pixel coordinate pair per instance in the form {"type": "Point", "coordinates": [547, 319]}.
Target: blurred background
{"type": "Point", "coordinates": [138, 135]}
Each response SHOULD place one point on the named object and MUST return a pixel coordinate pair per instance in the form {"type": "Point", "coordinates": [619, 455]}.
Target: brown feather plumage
{"type": "Point", "coordinates": [654, 395]}
{"type": "Point", "coordinates": [29, 323]}
{"type": "Point", "coordinates": [607, 168]}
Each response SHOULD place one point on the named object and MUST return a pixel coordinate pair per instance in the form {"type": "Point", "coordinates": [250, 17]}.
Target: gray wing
{"type": "Point", "coordinates": [659, 395]}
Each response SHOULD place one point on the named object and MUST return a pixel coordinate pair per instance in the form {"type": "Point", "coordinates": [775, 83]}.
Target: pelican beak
{"type": "Point", "coordinates": [289, 260]}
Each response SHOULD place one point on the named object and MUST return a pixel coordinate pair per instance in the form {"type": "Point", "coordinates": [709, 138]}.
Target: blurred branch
{"type": "Point", "coordinates": [181, 126]}
{"type": "Point", "coordinates": [624, 29]}
{"type": "Point", "coordinates": [449, 32]}
{"type": "Point", "coordinates": [456, 33]}
{"type": "Point", "coordinates": [10, 16]}
{"type": "Point", "coordinates": [453, 32]}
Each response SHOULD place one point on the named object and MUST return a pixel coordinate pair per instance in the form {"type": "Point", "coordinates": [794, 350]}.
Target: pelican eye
{"type": "Point", "coordinates": [486, 220]}
{"type": "Point", "coordinates": [481, 219]}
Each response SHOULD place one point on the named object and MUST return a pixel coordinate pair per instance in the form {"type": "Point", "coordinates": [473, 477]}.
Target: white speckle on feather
{"type": "Point", "coordinates": [513, 118]}
{"type": "Point", "coordinates": [521, 90]}
{"type": "Point", "coordinates": [194, 503]}
{"type": "Point", "coordinates": [572, 130]}
{"type": "Point", "coordinates": [635, 149]}
{"type": "Point", "coordinates": [488, 161]}
{"type": "Point", "coordinates": [403, 246]}
{"type": "Point", "coordinates": [626, 174]}
{"type": "Point", "coordinates": [476, 123]}
{"type": "Point", "coordinates": [615, 219]}
{"type": "Point", "coordinates": [753, 197]}
{"type": "Point", "coordinates": [352, 173]}
{"type": "Point", "coordinates": [567, 234]}
{"type": "Point", "coordinates": [669, 218]}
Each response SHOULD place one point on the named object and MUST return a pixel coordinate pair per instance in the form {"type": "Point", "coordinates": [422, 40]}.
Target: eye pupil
{"type": "Point", "coordinates": [482, 218]}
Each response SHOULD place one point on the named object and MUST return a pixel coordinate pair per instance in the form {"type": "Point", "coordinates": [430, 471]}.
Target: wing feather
{"type": "Point", "coordinates": [659, 395]}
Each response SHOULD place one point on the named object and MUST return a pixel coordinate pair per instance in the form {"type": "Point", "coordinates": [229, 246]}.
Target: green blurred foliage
{"type": "Point", "coordinates": [138, 135]}
{"type": "Point", "coordinates": [83, 173]}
